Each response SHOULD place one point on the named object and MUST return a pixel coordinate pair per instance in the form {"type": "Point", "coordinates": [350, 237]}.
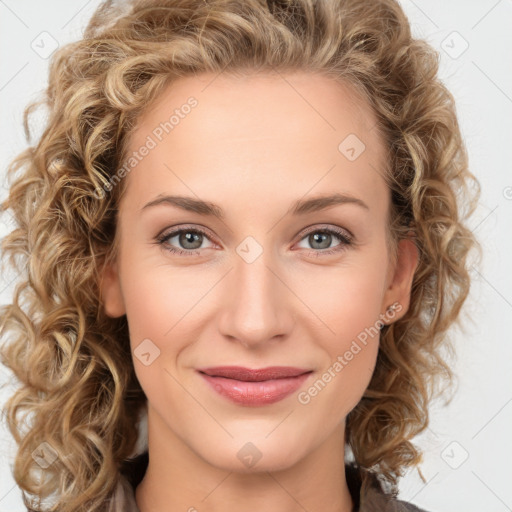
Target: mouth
{"type": "Point", "coordinates": [257, 387]}
{"type": "Point", "coordinates": [256, 375]}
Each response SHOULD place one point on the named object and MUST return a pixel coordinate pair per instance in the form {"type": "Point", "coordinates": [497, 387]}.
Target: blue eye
{"type": "Point", "coordinates": [188, 237]}
{"type": "Point", "coordinates": [191, 239]}
{"type": "Point", "coordinates": [324, 237]}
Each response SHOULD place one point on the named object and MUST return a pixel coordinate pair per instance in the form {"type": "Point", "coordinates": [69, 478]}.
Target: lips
{"type": "Point", "coordinates": [257, 375]}
{"type": "Point", "coordinates": [255, 387]}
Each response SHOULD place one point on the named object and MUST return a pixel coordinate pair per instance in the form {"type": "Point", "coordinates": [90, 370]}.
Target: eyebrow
{"type": "Point", "coordinates": [300, 207]}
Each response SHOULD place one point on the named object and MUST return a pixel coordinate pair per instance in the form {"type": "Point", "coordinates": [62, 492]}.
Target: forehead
{"type": "Point", "coordinates": [256, 101]}
{"type": "Point", "coordinates": [243, 131]}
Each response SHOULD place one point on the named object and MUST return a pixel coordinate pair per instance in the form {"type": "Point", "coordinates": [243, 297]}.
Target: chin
{"type": "Point", "coordinates": [256, 454]}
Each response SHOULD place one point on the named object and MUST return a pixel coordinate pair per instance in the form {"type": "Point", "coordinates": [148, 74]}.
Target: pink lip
{"type": "Point", "coordinates": [255, 387]}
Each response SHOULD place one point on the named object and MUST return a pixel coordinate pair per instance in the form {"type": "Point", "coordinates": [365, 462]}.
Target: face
{"type": "Point", "coordinates": [251, 279]}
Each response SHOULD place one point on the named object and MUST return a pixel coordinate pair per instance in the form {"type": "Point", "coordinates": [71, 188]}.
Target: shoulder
{"type": "Point", "coordinates": [372, 497]}
{"type": "Point", "coordinates": [380, 502]}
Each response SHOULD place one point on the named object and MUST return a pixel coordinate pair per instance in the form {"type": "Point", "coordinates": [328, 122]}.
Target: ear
{"type": "Point", "coordinates": [400, 277]}
{"type": "Point", "coordinates": [111, 293]}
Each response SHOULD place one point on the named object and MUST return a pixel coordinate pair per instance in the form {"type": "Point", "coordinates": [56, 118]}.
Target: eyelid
{"type": "Point", "coordinates": [182, 227]}
{"type": "Point", "coordinates": [325, 227]}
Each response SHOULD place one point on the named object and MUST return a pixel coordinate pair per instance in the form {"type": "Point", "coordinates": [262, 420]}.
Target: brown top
{"type": "Point", "coordinates": [374, 500]}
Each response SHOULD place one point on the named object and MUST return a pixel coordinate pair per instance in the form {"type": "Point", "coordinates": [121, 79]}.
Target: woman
{"type": "Point", "coordinates": [195, 155]}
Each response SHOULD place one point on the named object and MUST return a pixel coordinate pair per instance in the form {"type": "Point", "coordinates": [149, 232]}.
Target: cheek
{"type": "Point", "coordinates": [347, 300]}
{"type": "Point", "coordinates": [149, 306]}
{"type": "Point", "coordinates": [165, 309]}
{"type": "Point", "coordinates": [156, 304]}
{"type": "Point", "coordinates": [350, 347]}
{"type": "Point", "coordinates": [156, 310]}
{"type": "Point", "coordinates": [156, 295]}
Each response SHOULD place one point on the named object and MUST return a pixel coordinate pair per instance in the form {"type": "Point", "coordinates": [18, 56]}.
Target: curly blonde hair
{"type": "Point", "coordinates": [78, 390]}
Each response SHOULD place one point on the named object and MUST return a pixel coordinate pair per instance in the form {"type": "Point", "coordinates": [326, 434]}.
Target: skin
{"type": "Point", "coordinates": [253, 146]}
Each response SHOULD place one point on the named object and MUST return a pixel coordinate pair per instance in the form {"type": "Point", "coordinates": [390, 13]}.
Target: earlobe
{"type": "Point", "coordinates": [111, 293]}
{"type": "Point", "coordinates": [399, 288]}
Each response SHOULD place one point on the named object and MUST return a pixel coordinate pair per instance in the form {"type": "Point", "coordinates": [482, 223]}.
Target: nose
{"type": "Point", "coordinates": [256, 304]}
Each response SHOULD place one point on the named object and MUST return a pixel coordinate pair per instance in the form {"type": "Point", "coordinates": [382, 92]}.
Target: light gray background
{"type": "Point", "coordinates": [468, 445]}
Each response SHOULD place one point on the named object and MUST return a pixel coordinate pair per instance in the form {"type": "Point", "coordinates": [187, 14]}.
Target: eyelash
{"type": "Point", "coordinates": [344, 237]}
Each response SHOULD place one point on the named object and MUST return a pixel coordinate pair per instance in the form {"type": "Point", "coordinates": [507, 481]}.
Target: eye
{"type": "Point", "coordinates": [190, 239]}
{"type": "Point", "coordinates": [322, 238]}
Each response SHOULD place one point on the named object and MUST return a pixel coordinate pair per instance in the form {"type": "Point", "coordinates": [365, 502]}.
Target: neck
{"type": "Point", "coordinates": [177, 478]}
